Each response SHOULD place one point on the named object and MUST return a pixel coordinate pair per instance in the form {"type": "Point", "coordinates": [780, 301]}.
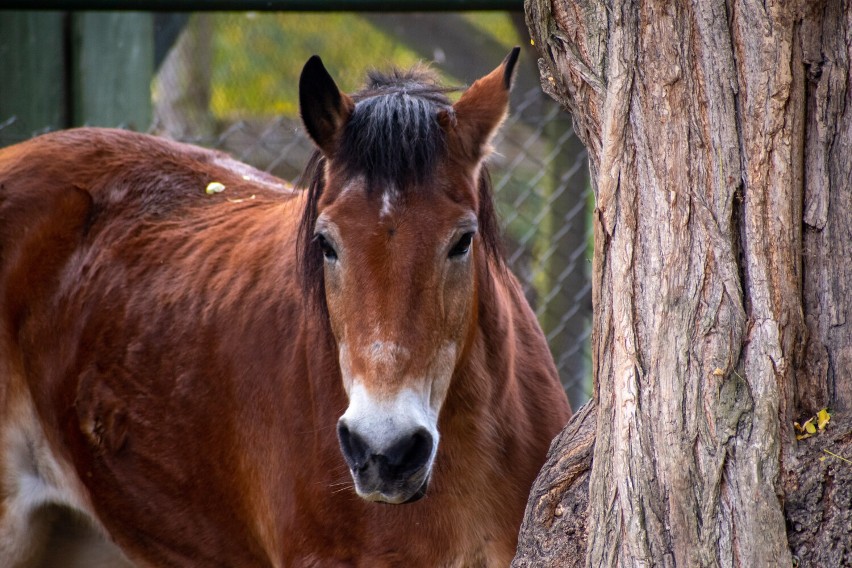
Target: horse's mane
{"type": "Point", "coordinates": [394, 140]}
{"type": "Point", "coordinates": [393, 136]}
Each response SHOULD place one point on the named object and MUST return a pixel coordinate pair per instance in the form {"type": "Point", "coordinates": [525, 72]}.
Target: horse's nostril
{"type": "Point", "coordinates": [403, 458]}
{"type": "Point", "coordinates": [411, 452]}
{"type": "Point", "coordinates": [354, 449]}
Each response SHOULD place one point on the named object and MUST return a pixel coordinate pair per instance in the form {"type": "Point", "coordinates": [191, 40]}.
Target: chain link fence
{"type": "Point", "coordinates": [228, 81]}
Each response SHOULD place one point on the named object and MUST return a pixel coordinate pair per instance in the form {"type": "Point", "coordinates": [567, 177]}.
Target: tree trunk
{"type": "Point", "coordinates": [182, 92]}
{"type": "Point", "coordinates": [720, 144]}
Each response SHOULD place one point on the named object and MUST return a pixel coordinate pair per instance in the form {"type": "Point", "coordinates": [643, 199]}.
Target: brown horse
{"type": "Point", "coordinates": [241, 378]}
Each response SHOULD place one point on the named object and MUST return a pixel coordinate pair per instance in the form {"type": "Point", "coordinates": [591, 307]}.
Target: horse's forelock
{"type": "Point", "coordinates": [394, 136]}
{"type": "Point", "coordinates": [420, 76]}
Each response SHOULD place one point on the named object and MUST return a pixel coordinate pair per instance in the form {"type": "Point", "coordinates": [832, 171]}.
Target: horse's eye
{"type": "Point", "coordinates": [462, 247]}
{"type": "Point", "coordinates": [328, 251]}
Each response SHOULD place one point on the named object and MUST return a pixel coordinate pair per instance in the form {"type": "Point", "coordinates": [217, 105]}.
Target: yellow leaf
{"type": "Point", "coordinates": [809, 427]}
{"type": "Point", "coordinates": [718, 372]}
{"type": "Point", "coordinates": [214, 187]}
{"type": "Point", "coordinates": [823, 417]}
{"type": "Point", "coordinates": [532, 42]}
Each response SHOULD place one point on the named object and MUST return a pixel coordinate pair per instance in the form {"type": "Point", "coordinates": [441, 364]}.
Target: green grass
{"type": "Point", "coordinates": [258, 57]}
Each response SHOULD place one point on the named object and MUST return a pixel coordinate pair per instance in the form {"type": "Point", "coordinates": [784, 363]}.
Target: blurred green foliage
{"type": "Point", "coordinates": [257, 57]}
{"type": "Point", "coordinates": [498, 25]}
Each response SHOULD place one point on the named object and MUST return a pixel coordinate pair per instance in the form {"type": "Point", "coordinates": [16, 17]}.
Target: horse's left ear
{"type": "Point", "coordinates": [481, 109]}
{"type": "Point", "coordinates": [325, 110]}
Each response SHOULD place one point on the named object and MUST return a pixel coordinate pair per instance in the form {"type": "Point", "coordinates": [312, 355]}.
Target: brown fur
{"type": "Point", "coordinates": [160, 335]}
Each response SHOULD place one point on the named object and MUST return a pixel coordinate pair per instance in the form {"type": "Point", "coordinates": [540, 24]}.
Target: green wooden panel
{"type": "Point", "coordinates": [32, 78]}
{"type": "Point", "coordinates": [113, 65]}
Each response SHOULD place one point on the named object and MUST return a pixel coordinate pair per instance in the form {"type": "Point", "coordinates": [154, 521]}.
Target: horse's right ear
{"type": "Point", "coordinates": [325, 110]}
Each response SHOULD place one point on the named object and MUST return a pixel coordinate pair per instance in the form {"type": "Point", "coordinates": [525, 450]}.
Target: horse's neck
{"type": "Point", "coordinates": [483, 470]}
{"type": "Point", "coordinates": [509, 371]}
{"type": "Point", "coordinates": [322, 384]}
{"type": "Point", "coordinates": [500, 318]}
{"type": "Point", "coordinates": [485, 380]}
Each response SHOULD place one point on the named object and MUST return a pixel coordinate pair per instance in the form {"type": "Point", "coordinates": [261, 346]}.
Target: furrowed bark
{"type": "Point", "coordinates": [714, 130]}
{"type": "Point", "coordinates": [826, 40]}
{"type": "Point", "coordinates": [554, 528]}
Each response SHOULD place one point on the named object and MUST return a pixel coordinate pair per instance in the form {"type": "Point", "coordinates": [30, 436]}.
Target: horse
{"type": "Point", "coordinates": [213, 368]}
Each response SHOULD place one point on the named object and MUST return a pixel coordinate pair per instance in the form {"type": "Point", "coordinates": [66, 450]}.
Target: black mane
{"type": "Point", "coordinates": [393, 136]}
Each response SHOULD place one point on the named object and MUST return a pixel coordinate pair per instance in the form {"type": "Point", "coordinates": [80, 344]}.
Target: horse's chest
{"type": "Point", "coordinates": [484, 557]}
{"type": "Point", "coordinates": [406, 539]}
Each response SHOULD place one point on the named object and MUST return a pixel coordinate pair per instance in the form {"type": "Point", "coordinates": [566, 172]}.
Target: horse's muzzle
{"type": "Point", "coordinates": [397, 473]}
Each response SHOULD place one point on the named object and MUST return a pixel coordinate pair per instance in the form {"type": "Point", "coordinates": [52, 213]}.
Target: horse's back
{"type": "Point", "coordinates": [121, 281]}
{"type": "Point", "coordinates": [57, 189]}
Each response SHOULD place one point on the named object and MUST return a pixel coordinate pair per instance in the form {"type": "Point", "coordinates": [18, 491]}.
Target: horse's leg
{"type": "Point", "coordinates": [75, 543]}
{"type": "Point", "coordinates": [23, 537]}
{"type": "Point", "coordinates": [39, 494]}
{"type": "Point", "coordinates": [24, 525]}
{"type": "Point", "coordinates": [54, 537]}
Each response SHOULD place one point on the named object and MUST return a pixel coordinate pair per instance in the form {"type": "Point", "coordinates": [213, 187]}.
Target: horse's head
{"type": "Point", "coordinates": [399, 216]}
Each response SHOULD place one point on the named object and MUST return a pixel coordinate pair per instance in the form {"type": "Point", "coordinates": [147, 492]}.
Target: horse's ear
{"type": "Point", "coordinates": [325, 110]}
{"type": "Point", "coordinates": [481, 109]}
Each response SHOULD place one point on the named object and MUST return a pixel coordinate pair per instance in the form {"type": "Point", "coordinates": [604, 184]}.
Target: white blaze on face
{"type": "Point", "coordinates": [379, 422]}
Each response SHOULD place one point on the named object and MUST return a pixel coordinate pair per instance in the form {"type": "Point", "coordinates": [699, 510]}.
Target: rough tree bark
{"type": "Point", "coordinates": [720, 144]}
